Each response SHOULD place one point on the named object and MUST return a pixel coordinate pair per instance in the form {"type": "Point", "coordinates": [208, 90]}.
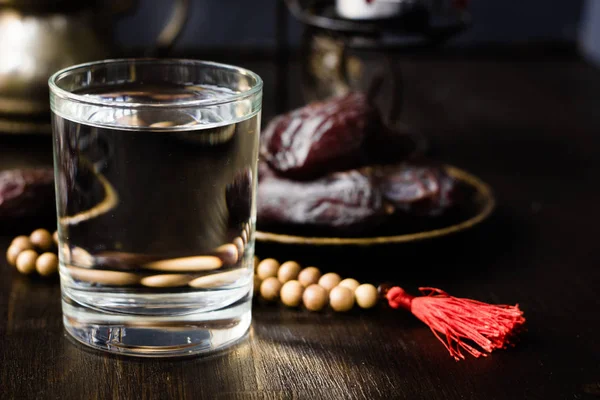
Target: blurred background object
{"type": "Point", "coordinates": [590, 31]}
{"type": "Point", "coordinates": [338, 52]}
{"type": "Point", "coordinates": [236, 31]}
{"type": "Point", "coordinates": [39, 37]}
{"type": "Point", "coordinates": [243, 25]}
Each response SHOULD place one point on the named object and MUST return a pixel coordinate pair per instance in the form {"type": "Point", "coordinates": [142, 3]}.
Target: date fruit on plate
{"type": "Point", "coordinates": [26, 192]}
{"type": "Point", "coordinates": [340, 201]}
{"type": "Point", "coordinates": [417, 189]}
{"type": "Point", "coordinates": [356, 200]}
{"type": "Point", "coordinates": [319, 138]}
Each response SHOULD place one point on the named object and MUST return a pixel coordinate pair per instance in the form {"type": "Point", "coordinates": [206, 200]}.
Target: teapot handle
{"type": "Point", "coordinates": [170, 31]}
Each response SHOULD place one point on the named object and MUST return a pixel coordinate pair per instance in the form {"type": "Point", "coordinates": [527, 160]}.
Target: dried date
{"type": "Point", "coordinates": [26, 192]}
{"type": "Point", "coordinates": [347, 201]}
{"type": "Point", "coordinates": [417, 189]}
{"type": "Point", "coordinates": [319, 138]}
{"type": "Point", "coordinates": [355, 200]}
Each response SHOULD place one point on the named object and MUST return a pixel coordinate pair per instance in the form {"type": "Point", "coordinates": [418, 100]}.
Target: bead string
{"type": "Point", "coordinates": [176, 272]}
{"type": "Point", "coordinates": [288, 281]}
{"type": "Point", "coordinates": [23, 255]}
{"type": "Point", "coordinates": [460, 324]}
{"type": "Point", "coordinates": [295, 286]}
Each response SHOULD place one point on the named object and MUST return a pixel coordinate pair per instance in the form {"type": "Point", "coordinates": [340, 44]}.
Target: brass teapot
{"type": "Point", "coordinates": [39, 37]}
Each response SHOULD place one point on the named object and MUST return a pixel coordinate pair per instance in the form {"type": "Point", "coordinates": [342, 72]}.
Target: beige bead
{"type": "Point", "coordinates": [240, 244]}
{"type": "Point", "coordinates": [23, 242]}
{"type": "Point", "coordinates": [55, 237]}
{"type": "Point", "coordinates": [349, 283]}
{"type": "Point", "coordinates": [131, 120]}
{"type": "Point", "coordinates": [288, 271]}
{"type": "Point", "coordinates": [46, 264]}
{"type": "Point", "coordinates": [257, 282]}
{"type": "Point", "coordinates": [329, 281]}
{"type": "Point", "coordinates": [19, 244]}
{"type": "Point", "coordinates": [113, 278]}
{"type": "Point", "coordinates": [244, 236]}
{"type": "Point", "coordinates": [162, 124]}
{"type": "Point", "coordinates": [220, 279]}
{"type": "Point", "coordinates": [341, 299]}
{"type": "Point", "coordinates": [42, 239]}
{"type": "Point", "coordinates": [228, 253]}
{"type": "Point", "coordinates": [269, 288]}
{"type": "Point", "coordinates": [26, 261]}
{"type": "Point", "coordinates": [366, 295]}
{"type": "Point", "coordinates": [77, 256]}
{"type": "Point", "coordinates": [291, 293]}
{"type": "Point", "coordinates": [267, 268]}
{"type": "Point", "coordinates": [314, 297]}
{"type": "Point", "coordinates": [186, 264]}
{"type": "Point", "coordinates": [166, 280]}
{"type": "Point", "coordinates": [309, 276]}
{"type": "Point", "coordinates": [12, 253]}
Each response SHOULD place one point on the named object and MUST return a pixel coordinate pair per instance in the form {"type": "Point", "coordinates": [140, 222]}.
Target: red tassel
{"type": "Point", "coordinates": [487, 326]}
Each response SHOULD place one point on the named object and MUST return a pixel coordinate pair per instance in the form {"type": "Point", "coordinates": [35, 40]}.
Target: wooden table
{"type": "Point", "coordinates": [527, 123]}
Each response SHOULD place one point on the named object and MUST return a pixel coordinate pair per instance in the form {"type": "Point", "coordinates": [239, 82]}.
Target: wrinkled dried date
{"type": "Point", "coordinates": [303, 149]}
{"type": "Point", "coordinates": [343, 200]}
{"type": "Point", "coordinates": [355, 200]}
{"type": "Point", "coordinates": [319, 138]}
{"type": "Point", "coordinates": [417, 189]}
{"type": "Point", "coordinates": [26, 192]}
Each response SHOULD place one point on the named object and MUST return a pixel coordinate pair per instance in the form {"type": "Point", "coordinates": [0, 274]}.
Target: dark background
{"type": "Point", "coordinates": [233, 23]}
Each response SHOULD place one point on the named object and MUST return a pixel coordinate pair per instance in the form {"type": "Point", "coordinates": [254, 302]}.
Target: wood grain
{"type": "Point", "coordinates": [528, 128]}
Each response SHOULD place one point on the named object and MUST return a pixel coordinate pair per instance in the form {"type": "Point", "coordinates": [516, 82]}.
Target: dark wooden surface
{"type": "Point", "coordinates": [528, 124]}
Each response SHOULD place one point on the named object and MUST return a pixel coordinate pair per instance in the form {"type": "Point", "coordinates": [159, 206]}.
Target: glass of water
{"type": "Point", "coordinates": [155, 166]}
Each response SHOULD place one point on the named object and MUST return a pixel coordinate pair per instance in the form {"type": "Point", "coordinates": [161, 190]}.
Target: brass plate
{"type": "Point", "coordinates": [482, 200]}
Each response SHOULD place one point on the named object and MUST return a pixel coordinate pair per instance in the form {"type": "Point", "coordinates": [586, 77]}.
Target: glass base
{"type": "Point", "coordinates": [158, 336]}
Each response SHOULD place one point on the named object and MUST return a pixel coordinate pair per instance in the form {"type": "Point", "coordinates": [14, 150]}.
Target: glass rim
{"type": "Point", "coordinates": [64, 94]}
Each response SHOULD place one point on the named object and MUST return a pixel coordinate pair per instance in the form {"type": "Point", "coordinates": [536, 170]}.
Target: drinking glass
{"type": "Point", "coordinates": [155, 167]}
